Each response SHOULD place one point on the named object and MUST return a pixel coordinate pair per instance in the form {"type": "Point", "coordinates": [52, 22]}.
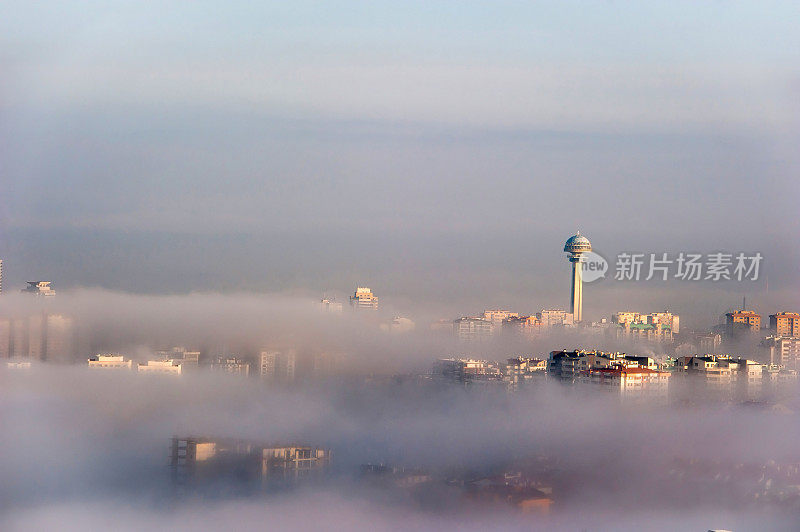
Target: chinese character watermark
{"type": "Point", "coordinates": [688, 266]}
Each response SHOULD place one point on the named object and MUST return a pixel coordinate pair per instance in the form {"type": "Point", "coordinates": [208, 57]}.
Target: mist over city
{"type": "Point", "coordinates": [399, 266]}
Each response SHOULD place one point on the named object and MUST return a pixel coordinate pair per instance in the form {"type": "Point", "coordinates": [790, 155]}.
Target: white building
{"type": "Point", "coordinates": [783, 351]}
{"type": "Point", "coordinates": [629, 382]}
{"type": "Point", "coordinates": [363, 298]}
{"type": "Point", "coordinates": [555, 317]}
{"type": "Point", "coordinates": [39, 288]}
{"type": "Point", "coordinates": [110, 361]}
{"type": "Point", "coordinates": [160, 367]}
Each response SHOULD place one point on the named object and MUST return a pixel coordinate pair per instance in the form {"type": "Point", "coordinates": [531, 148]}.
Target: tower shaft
{"type": "Point", "coordinates": [576, 296]}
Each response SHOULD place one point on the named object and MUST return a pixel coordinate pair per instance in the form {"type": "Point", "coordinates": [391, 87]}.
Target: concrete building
{"type": "Point", "coordinates": [1, 276]}
{"type": "Point", "coordinates": [467, 370]}
{"type": "Point", "coordinates": [742, 320]}
{"type": "Point", "coordinates": [710, 343]}
{"type": "Point", "coordinates": [5, 338]}
{"type": "Point", "coordinates": [525, 325]}
{"type": "Point", "coordinates": [555, 318]}
{"type": "Point", "coordinates": [570, 365]}
{"type": "Point", "coordinates": [783, 351]}
{"type": "Point", "coordinates": [576, 247]}
{"type": "Point", "coordinates": [188, 359]}
{"type": "Point", "coordinates": [667, 320]}
{"type": "Point", "coordinates": [785, 324]}
{"type": "Point", "coordinates": [278, 365]}
{"type": "Point", "coordinates": [330, 305]}
{"type": "Point", "coordinates": [471, 328]}
{"type": "Point", "coordinates": [39, 288]}
{"type": "Point", "coordinates": [160, 367]}
{"type": "Point", "coordinates": [238, 464]}
{"type": "Point", "coordinates": [232, 365]}
{"type": "Point", "coordinates": [629, 382]}
{"type": "Point", "coordinates": [59, 339]}
{"type": "Point", "coordinates": [521, 370]}
{"type": "Point", "coordinates": [733, 377]}
{"type": "Point", "coordinates": [363, 298]}
{"type": "Point", "coordinates": [498, 316]}
{"type": "Point", "coordinates": [42, 336]}
{"type": "Point", "coordinates": [110, 361]}
{"type": "Point", "coordinates": [644, 332]}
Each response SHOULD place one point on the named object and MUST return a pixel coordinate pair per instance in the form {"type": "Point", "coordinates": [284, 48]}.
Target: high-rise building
{"type": "Point", "coordinates": [187, 359]}
{"type": "Point", "coordinates": [785, 323]}
{"type": "Point", "coordinates": [783, 351]}
{"type": "Point", "coordinates": [1, 276]}
{"type": "Point", "coordinates": [742, 320]}
{"type": "Point", "coordinates": [527, 325]}
{"type": "Point", "coordinates": [331, 305]}
{"type": "Point", "coordinates": [201, 462]}
{"type": "Point", "coordinates": [473, 328]}
{"type": "Point", "coordinates": [576, 246]}
{"type": "Point", "coordinates": [278, 366]}
{"type": "Point", "coordinates": [5, 338]}
{"type": "Point", "coordinates": [554, 317]}
{"type": "Point", "coordinates": [39, 288]}
{"type": "Point", "coordinates": [232, 365]}
{"type": "Point", "coordinates": [363, 298]}
{"type": "Point", "coordinates": [59, 339]}
{"type": "Point", "coordinates": [41, 336]}
{"type": "Point", "coordinates": [19, 338]}
{"type": "Point", "coordinates": [710, 343]}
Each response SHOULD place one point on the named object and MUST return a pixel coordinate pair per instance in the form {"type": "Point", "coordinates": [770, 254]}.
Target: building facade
{"type": "Point", "coordinates": [110, 361]}
{"type": "Point", "coordinates": [205, 461]}
{"type": "Point", "coordinates": [785, 324]}
{"type": "Point", "coordinates": [742, 320]}
{"type": "Point", "coordinates": [363, 298]}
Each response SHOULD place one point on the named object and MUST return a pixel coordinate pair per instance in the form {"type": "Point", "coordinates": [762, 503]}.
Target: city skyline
{"type": "Point", "coordinates": [301, 265]}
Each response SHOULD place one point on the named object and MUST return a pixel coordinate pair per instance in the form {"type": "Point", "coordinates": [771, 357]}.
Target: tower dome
{"type": "Point", "coordinates": [577, 244]}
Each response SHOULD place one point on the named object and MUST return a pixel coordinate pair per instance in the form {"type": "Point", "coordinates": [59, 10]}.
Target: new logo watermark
{"type": "Point", "coordinates": [593, 266]}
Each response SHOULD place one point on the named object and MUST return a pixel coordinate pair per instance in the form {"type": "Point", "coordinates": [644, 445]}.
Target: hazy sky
{"type": "Point", "coordinates": [436, 151]}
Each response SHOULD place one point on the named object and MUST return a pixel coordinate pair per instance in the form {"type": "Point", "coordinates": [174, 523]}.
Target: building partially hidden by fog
{"type": "Point", "coordinates": [187, 358]}
{"type": "Point", "coordinates": [232, 365]}
{"type": "Point", "coordinates": [576, 246]}
{"type": "Point", "coordinates": [363, 298]}
{"type": "Point", "coordinates": [653, 327]}
{"type": "Point", "coordinates": [160, 367]}
{"type": "Point", "coordinates": [278, 365]}
{"type": "Point", "coordinates": [39, 288]}
{"type": "Point", "coordinates": [110, 361]}
{"type": "Point", "coordinates": [742, 321]}
{"type": "Point", "coordinates": [238, 465]}
{"type": "Point", "coordinates": [330, 305]}
{"type": "Point", "coordinates": [39, 337]}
